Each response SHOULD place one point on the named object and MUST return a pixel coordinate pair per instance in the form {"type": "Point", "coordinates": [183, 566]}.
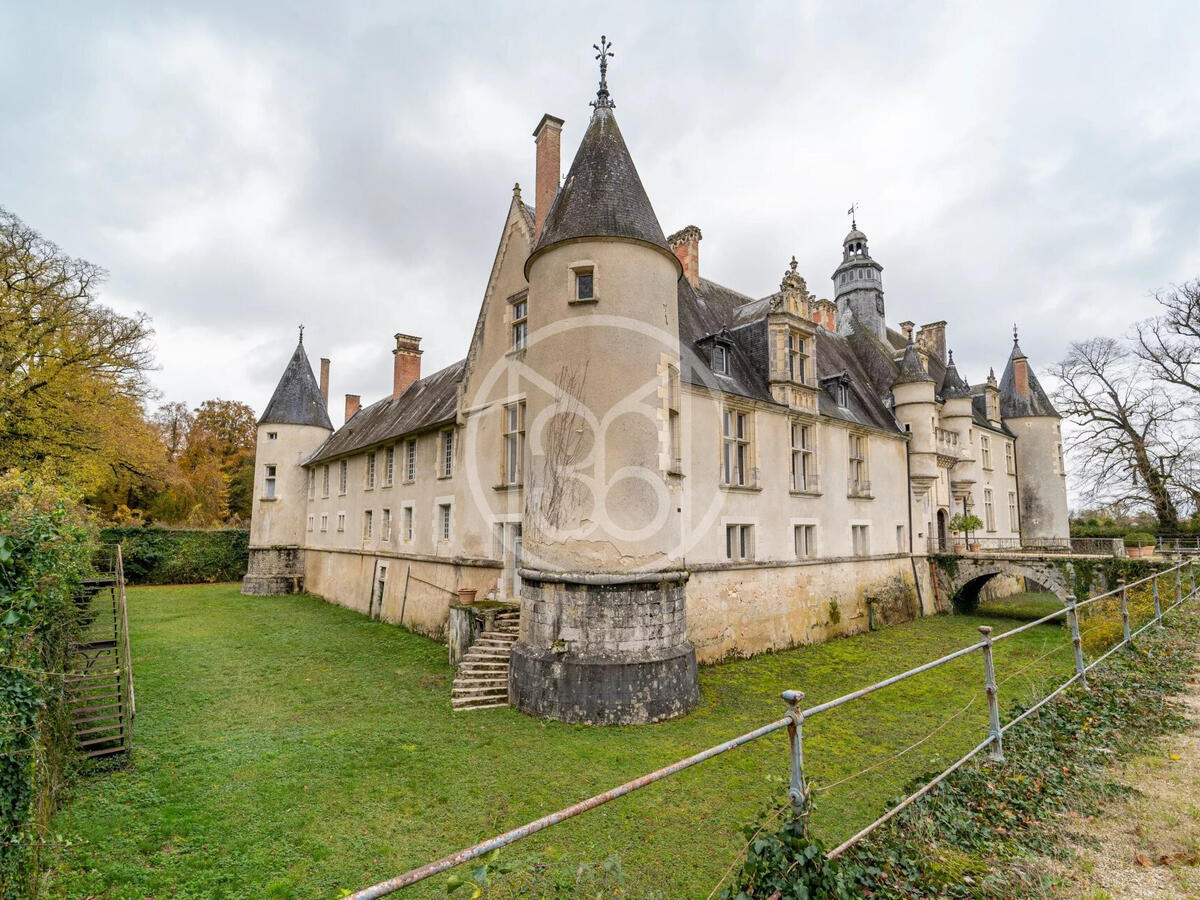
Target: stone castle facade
{"type": "Point", "coordinates": [660, 469]}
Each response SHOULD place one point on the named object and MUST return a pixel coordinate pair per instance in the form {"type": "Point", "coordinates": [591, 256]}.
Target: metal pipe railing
{"type": "Point", "coordinates": [794, 721]}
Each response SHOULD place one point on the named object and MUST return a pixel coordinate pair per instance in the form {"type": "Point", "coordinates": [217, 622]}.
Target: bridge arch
{"type": "Point", "coordinates": [968, 575]}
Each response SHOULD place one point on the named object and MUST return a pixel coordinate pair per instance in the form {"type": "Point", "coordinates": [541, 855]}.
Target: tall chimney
{"type": "Point", "coordinates": [932, 339]}
{"type": "Point", "coordinates": [548, 137]}
{"type": "Point", "coordinates": [353, 402]}
{"type": "Point", "coordinates": [685, 244]}
{"type": "Point", "coordinates": [1021, 375]}
{"type": "Point", "coordinates": [325, 381]}
{"type": "Point", "coordinates": [406, 365]}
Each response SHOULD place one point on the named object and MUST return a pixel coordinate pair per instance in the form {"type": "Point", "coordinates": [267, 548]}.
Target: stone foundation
{"type": "Point", "coordinates": [603, 654]}
{"type": "Point", "coordinates": [274, 570]}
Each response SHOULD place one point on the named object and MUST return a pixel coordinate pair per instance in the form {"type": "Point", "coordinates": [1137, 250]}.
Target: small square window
{"type": "Point", "coordinates": [272, 435]}
{"type": "Point", "coordinates": [584, 288]}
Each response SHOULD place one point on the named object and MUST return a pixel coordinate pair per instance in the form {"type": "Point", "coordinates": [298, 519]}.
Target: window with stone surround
{"type": "Point", "coordinates": [520, 321]}
{"type": "Point", "coordinates": [370, 470]}
{"type": "Point", "coordinates": [739, 542]}
{"type": "Point", "coordinates": [735, 448]}
{"type": "Point", "coordinates": [804, 458]}
{"type": "Point", "coordinates": [1014, 523]}
{"type": "Point", "coordinates": [325, 480]}
{"type": "Point", "coordinates": [410, 460]}
{"type": "Point", "coordinates": [389, 466]}
{"type": "Point", "coordinates": [514, 444]}
{"type": "Point", "coordinates": [343, 476]}
{"type": "Point", "coordinates": [385, 524]}
{"type": "Point", "coordinates": [804, 541]}
{"type": "Point", "coordinates": [860, 540]}
{"type": "Point", "coordinates": [444, 521]}
{"type": "Point", "coordinates": [989, 510]}
{"type": "Point", "coordinates": [985, 451]}
{"type": "Point", "coordinates": [269, 483]}
{"type": "Point", "coordinates": [446, 453]}
{"type": "Point", "coordinates": [1010, 462]}
{"type": "Point", "coordinates": [368, 524]}
{"type": "Point", "coordinates": [859, 482]}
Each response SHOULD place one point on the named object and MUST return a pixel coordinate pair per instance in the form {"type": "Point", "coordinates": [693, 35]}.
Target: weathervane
{"type": "Point", "coordinates": [850, 212]}
{"type": "Point", "coordinates": [302, 334]}
{"type": "Point", "coordinates": [603, 52]}
{"type": "Point", "coordinates": [1014, 332]}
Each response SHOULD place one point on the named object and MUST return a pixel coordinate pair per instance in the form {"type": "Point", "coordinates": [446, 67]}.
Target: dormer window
{"type": "Point", "coordinates": [843, 394]}
{"type": "Point", "coordinates": [720, 359]}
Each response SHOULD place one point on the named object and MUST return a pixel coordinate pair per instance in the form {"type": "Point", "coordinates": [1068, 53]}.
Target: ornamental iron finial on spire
{"type": "Point", "coordinates": [1014, 332]}
{"type": "Point", "coordinates": [851, 212]}
{"type": "Point", "coordinates": [791, 278]}
{"type": "Point", "coordinates": [603, 52]}
{"type": "Point", "coordinates": [301, 334]}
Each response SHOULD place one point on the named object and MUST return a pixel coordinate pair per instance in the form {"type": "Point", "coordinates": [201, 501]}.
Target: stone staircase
{"type": "Point", "coordinates": [482, 679]}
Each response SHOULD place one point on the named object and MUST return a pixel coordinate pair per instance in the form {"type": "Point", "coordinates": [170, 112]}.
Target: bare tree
{"type": "Point", "coordinates": [1127, 444]}
{"type": "Point", "coordinates": [1169, 344]}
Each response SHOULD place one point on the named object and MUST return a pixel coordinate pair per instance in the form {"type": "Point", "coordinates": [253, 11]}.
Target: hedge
{"type": "Point", "coordinates": [155, 555]}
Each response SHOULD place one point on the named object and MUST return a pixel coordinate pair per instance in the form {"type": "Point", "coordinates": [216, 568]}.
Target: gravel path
{"type": "Point", "coordinates": [1148, 845]}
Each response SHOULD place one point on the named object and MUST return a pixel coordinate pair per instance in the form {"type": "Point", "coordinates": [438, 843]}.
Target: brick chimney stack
{"type": "Point", "coordinates": [325, 381]}
{"type": "Point", "coordinates": [353, 402]}
{"type": "Point", "coordinates": [406, 365]}
{"type": "Point", "coordinates": [548, 137]}
{"type": "Point", "coordinates": [685, 244]}
{"type": "Point", "coordinates": [932, 339]}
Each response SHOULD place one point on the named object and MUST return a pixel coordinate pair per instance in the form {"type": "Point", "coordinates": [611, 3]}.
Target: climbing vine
{"type": "Point", "coordinates": [45, 549]}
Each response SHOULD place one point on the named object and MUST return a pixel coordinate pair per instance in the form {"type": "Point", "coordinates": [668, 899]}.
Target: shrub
{"type": "Point", "coordinates": [155, 555]}
{"type": "Point", "coordinates": [45, 552]}
{"type": "Point", "coordinates": [1139, 539]}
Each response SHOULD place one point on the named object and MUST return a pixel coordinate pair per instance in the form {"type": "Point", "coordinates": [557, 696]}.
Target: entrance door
{"type": "Point", "coordinates": [941, 530]}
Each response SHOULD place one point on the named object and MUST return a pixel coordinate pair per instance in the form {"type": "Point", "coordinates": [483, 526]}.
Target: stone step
{"type": "Point", "coordinates": [494, 644]}
{"type": "Point", "coordinates": [477, 652]}
{"type": "Point", "coordinates": [475, 665]}
{"type": "Point", "coordinates": [480, 693]}
{"type": "Point", "coordinates": [499, 635]}
{"type": "Point", "coordinates": [481, 681]}
{"type": "Point", "coordinates": [467, 707]}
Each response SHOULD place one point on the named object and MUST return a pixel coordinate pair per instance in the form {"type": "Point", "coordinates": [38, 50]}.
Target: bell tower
{"type": "Point", "coordinates": [858, 286]}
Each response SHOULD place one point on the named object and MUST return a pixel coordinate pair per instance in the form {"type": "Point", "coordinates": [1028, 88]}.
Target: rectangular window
{"type": "Point", "coordinates": [985, 451]}
{"type": "Point", "coordinates": [324, 521]}
{"type": "Point", "coordinates": [1013, 521]}
{"type": "Point", "coordinates": [389, 465]}
{"type": "Point", "coordinates": [341, 522]}
{"type": "Point", "coordinates": [272, 435]}
{"type": "Point", "coordinates": [520, 323]}
{"type": "Point", "coordinates": [444, 521]}
{"type": "Point", "coordinates": [584, 284]}
{"type": "Point", "coordinates": [989, 510]}
{"type": "Point", "coordinates": [385, 525]}
{"type": "Point", "coordinates": [368, 524]}
{"type": "Point", "coordinates": [325, 480]}
{"type": "Point", "coordinates": [804, 470]}
{"type": "Point", "coordinates": [371, 470]}
{"type": "Point", "coordinates": [407, 524]}
{"type": "Point", "coordinates": [447, 454]}
{"type": "Point", "coordinates": [860, 477]}
{"type": "Point", "coordinates": [901, 542]}
{"type": "Point", "coordinates": [269, 483]}
{"type": "Point", "coordinates": [343, 475]}
{"type": "Point", "coordinates": [720, 360]}
{"type": "Point", "coordinates": [797, 361]}
{"type": "Point", "coordinates": [860, 539]}
{"type": "Point", "coordinates": [1010, 462]}
{"type": "Point", "coordinates": [804, 538]}
{"type": "Point", "coordinates": [739, 541]}
{"type": "Point", "coordinates": [410, 459]}
{"type": "Point", "coordinates": [674, 440]}
{"type": "Point", "coordinates": [310, 522]}
{"type": "Point", "coordinates": [735, 448]}
{"type": "Point", "coordinates": [514, 442]}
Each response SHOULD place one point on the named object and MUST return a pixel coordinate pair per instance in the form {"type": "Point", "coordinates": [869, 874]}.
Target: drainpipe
{"type": "Point", "coordinates": [908, 500]}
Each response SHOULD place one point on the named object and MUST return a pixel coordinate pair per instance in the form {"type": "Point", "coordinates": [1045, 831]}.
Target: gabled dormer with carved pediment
{"type": "Point", "coordinates": [793, 367]}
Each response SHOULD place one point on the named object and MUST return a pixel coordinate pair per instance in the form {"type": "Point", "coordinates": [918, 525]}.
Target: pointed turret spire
{"type": "Point", "coordinates": [602, 195]}
{"type": "Point", "coordinates": [911, 368]}
{"type": "Point", "coordinates": [953, 385]}
{"type": "Point", "coordinates": [297, 399]}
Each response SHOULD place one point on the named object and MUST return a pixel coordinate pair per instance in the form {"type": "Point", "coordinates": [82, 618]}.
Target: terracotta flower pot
{"type": "Point", "coordinates": [466, 596]}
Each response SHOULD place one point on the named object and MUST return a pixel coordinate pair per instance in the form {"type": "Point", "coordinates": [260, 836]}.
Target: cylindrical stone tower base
{"type": "Point", "coordinates": [274, 570]}
{"type": "Point", "coordinates": [603, 653]}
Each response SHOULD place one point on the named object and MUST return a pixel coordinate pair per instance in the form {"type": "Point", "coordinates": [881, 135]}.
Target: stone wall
{"type": "Point", "coordinates": [274, 570]}
{"type": "Point", "coordinates": [747, 610]}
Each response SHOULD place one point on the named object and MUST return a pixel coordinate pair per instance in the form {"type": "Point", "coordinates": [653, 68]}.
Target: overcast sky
{"type": "Point", "coordinates": [243, 167]}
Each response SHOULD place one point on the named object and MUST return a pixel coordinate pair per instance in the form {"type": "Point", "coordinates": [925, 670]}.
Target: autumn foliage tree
{"type": "Point", "coordinates": [72, 370]}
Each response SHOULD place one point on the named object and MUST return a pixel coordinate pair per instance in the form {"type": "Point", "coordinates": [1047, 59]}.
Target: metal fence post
{"type": "Point", "coordinates": [1125, 614]}
{"type": "Point", "coordinates": [1191, 577]}
{"type": "Point", "coordinates": [1179, 584]}
{"type": "Point", "coordinates": [797, 792]}
{"type": "Point", "coordinates": [1076, 640]}
{"type": "Point", "coordinates": [989, 677]}
{"type": "Point", "coordinates": [1157, 605]}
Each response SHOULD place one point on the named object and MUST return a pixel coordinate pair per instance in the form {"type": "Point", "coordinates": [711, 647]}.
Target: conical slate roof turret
{"type": "Point", "coordinates": [953, 385]}
{"type": "Point", "coordinates": [911, 369]}
{"type": "Point", "coordinates": [603, 195]}
{"type": "Point", "coordinates": [1020, 392]}
{"type": "Point", "coordinates": [297, 399]}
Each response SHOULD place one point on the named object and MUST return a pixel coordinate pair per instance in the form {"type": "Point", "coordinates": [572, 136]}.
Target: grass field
{"type": "Point", "coordinates": [285, 748]}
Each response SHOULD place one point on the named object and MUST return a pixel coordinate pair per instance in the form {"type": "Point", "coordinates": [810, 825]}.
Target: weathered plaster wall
{"type": "Point", "coordinates": [280, 521]}
{"type": "Point", "coordinates": [749, 610]}
{"type": "Point", "coordinates": [1043, 485]}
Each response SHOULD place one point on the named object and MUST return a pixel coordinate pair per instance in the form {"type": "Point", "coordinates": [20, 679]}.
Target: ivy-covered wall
{"type": "Point", "coordinates": [156, 555]}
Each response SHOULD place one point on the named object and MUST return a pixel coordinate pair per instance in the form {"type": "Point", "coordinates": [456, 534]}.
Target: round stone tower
{"type": "Point", "coordinates": [603, 626]}
{"type": "Point", "coordinates": [858, 287]}
{"type": "Point", "coordinates": [1041, 475]}
{"type": "Point", "coordinates": [294, 424]}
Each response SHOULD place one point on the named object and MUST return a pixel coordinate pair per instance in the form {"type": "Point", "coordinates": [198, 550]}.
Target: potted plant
{"type": "Point", "coordinates": [1138, 544]}
{"type": "Point", "coordinates": [965, 524]}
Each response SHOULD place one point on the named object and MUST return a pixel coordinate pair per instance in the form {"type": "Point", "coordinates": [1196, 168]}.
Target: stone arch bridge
{"type": "Point", "coordinates": [958, 583]}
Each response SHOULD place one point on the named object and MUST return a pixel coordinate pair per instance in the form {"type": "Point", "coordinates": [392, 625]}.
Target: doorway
{"type": "Point", "coordinates": [941, 530]}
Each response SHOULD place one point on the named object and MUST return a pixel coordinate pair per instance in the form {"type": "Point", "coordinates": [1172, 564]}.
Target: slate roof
{"type": "Point", "coordinates": [953, 386]}
{"type": "Point", "coordinates": [715, 313]}
{"type": "Point", "coordinates": [1012, 404]}
{"type": "Point", "coordinates": [603, 194]}
{"type": "Point", "coordinates": [430, 401]}
{"type": "Point", "coordinates": [297, 399]}
{"type": "Point", "coordinates": [912, 370]}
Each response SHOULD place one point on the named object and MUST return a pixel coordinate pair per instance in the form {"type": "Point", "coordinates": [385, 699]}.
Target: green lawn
{"type": "Point", "coordinates": [289, 748]}
{"type": "Point", "coordinates": [1027, 605]}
